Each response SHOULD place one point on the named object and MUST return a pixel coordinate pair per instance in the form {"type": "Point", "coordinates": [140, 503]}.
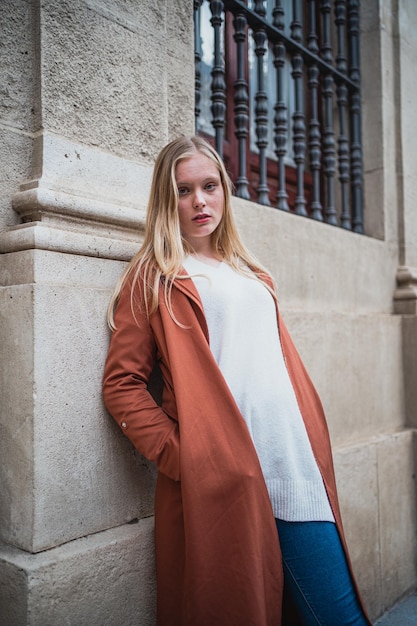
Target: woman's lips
{"type": "Point", "coordinates": [202, 218]}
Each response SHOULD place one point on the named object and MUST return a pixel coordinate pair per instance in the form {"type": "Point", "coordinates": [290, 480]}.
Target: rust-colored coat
{"type": "Point", "coordinates": [217, 551]}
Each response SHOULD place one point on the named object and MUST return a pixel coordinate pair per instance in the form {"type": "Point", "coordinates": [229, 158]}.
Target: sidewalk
{"type": "Point", "coordinates": [402, 614]}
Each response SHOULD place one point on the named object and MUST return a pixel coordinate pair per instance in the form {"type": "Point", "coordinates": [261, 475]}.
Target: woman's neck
{"type": "Point", "coordinates": [206, 252]}
{"type": "Point", "coordinates": [213, 260]}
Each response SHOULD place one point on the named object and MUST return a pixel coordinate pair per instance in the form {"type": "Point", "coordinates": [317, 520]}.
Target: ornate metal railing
{"type": "Point", "coordinates": [325, 142]}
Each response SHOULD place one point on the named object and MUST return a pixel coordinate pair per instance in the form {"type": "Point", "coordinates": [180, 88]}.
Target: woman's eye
{"type": "Point", "coordinates": [210, 186]}
{"type": "Point", "coordinates": [182, 191]}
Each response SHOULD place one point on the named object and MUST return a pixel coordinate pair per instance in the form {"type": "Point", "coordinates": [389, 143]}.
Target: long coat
{"type": "Point", "coordinates": [218, 558]}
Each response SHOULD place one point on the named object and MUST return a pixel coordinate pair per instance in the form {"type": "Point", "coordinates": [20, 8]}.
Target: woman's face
{"type": "Point", "coordinates": [201, 199]}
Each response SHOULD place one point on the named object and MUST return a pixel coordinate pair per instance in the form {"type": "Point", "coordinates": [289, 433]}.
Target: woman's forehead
{"type": "Point", "coordinates": [196, 166]}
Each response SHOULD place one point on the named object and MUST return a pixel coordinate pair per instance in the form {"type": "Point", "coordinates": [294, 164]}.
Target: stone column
{"type": "Point", "coordinates": [405, 297]}
{"type": "Point", "coordinates": [90, 91]}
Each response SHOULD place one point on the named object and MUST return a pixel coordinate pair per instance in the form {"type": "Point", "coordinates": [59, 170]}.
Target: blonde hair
{"type": "Point", "coordinates": [162, 252]}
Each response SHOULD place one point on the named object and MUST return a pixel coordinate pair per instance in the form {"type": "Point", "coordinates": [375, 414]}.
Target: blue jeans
{"type": "Point", "coordinates": [318, 589]}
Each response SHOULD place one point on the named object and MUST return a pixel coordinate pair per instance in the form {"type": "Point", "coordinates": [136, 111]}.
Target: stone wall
{"type": "Point", "coordinates": [90, 91]}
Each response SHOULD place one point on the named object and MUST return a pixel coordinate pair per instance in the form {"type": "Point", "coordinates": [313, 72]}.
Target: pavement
{"type": "Point", "coordinates": [402, 614]}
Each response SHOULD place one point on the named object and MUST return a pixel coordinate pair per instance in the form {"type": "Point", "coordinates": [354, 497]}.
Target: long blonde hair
{"type": "Point", "coordinates": [162, 252]}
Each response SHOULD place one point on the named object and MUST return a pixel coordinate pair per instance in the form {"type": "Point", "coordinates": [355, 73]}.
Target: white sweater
{"type": "Point", "coordinates": [244, 339]}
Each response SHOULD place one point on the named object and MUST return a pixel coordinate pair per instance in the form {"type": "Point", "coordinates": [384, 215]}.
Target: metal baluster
{"type": "Point", "coordinates": [280, 108]}
{"type": "Point", "coordinates": [326, 46]}
{"type": "Point", "coordinates": [197, 60]}
{"type": "Point", "coordinates": [343, 154]}
{"type": "Point", "coordinates": [241, 106]}
{"type": "Point", "coordinates": [296, 26]}
{"type": "Point", "coordinates": [299, 130]}
{"type": "Point", "coordinates": [314, 138]}
{"type": "Point", "coordinates": [261, 108]}
{"type": "Point", "coordinates": [218, 86]}
{"type": "Point", "coordinates": [340, 21]}
{"type": "Point", "coordinates": [329, 149]}
{"type": "Point", "coordinates": [342, 102]}
{"type": "Point", "coordinates": [355, 116]}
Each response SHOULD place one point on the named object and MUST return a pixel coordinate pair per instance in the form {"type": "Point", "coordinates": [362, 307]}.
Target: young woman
{"type": "Point", "coordinates": [247, 525]}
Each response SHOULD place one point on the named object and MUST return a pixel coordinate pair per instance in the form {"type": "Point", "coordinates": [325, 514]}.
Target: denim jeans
{"type": "Point", "coordinates": [318, 589]}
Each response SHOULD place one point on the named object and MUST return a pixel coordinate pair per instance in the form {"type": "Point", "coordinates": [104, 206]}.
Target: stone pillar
{"type": "Point", "coordinates": [91, 90]}
{"type": "Point", "coordinates": [405, 297]}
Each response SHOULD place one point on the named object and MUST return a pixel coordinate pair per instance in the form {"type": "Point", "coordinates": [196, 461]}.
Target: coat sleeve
{"type": "Point", "coordinates": [129, 365]}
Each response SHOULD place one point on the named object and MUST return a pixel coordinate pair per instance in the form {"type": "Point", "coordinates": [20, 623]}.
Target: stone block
{"type": "Point", "coordinates": [107, 578]}
{"type": "Point", "coordinates": [361, 388]}
{"type": "Point", "coordinates": [16, 413]}
{"type": "Point", "coordinates": [398, 515]}
{"type": "Point", "coordinates": [357, 479]}
{"type": "Point", "coordinates": [68, 469]}
{"type": "Point", "coordinates": [377, 491]}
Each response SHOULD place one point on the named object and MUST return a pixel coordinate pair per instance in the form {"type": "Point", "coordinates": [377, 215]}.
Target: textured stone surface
{"type": "Point", "coordinates": [101, 580]}
{"type": "Point", "coordinates": [350, 273]}
{"type": "Point", "coordinates": [15, 165]}
{"type": "Point", "coordinates": [180, 73]}
{"type": "Point", "coordinates": [409, 339]}
{"type": "Point", "coordinates": [19, 99]}
{"type": "Point", "coordinates": [60, 164]}
{"type": "Point", "coordinates": [377, 490]}
{"type": "Point", "coordinates": [68, 470]}
{"type": "Point", "coordinates": [16, 417]}
{"type": "Point", "coordinates": [357, 478]}
{"type": "Point", "coordinates": [361, 389]}
{"type": "Point", "coordinates": [398, 514]}
{"type": "Point", "coordinates": [107, 85]}
{"type": "Point", "coordinates": [378, 86]}
{"type": "Point", "coordinates": [406, 98]}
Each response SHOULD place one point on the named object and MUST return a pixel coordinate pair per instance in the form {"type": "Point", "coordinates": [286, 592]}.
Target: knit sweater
{"type": "Point", "coordinates": [244, 339]}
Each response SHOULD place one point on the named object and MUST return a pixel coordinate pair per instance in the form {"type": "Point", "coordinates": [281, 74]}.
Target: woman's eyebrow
{"type": "Point", "coordinates": [205, 180]}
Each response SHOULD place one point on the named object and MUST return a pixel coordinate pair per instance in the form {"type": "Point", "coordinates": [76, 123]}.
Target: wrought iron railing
{"type": "Point", "coordinates": [318, 46]}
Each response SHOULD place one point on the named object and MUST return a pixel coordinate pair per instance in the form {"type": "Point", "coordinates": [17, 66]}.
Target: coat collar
{"type": "Point", "coordinates": [186, 286]}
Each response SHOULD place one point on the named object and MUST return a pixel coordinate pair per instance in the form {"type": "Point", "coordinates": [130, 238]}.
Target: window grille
{"type": "Point", "coordinates": [277, 90]}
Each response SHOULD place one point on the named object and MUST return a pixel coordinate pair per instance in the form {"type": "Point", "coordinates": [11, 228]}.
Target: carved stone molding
{"type": "Point", "coordinates": [81, 200]}
{"type": "Point", "coordinates": [38, 236]}
{"type": "Point", "coordinates": [405, 295]}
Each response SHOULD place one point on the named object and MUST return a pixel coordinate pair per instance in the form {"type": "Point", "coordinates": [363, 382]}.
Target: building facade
{"type": "Point", "coordinates": [90, 92]}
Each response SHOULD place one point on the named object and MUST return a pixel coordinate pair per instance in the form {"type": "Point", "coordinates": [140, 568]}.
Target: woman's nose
{"type": "Point", "coordinates": [198, 200]}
